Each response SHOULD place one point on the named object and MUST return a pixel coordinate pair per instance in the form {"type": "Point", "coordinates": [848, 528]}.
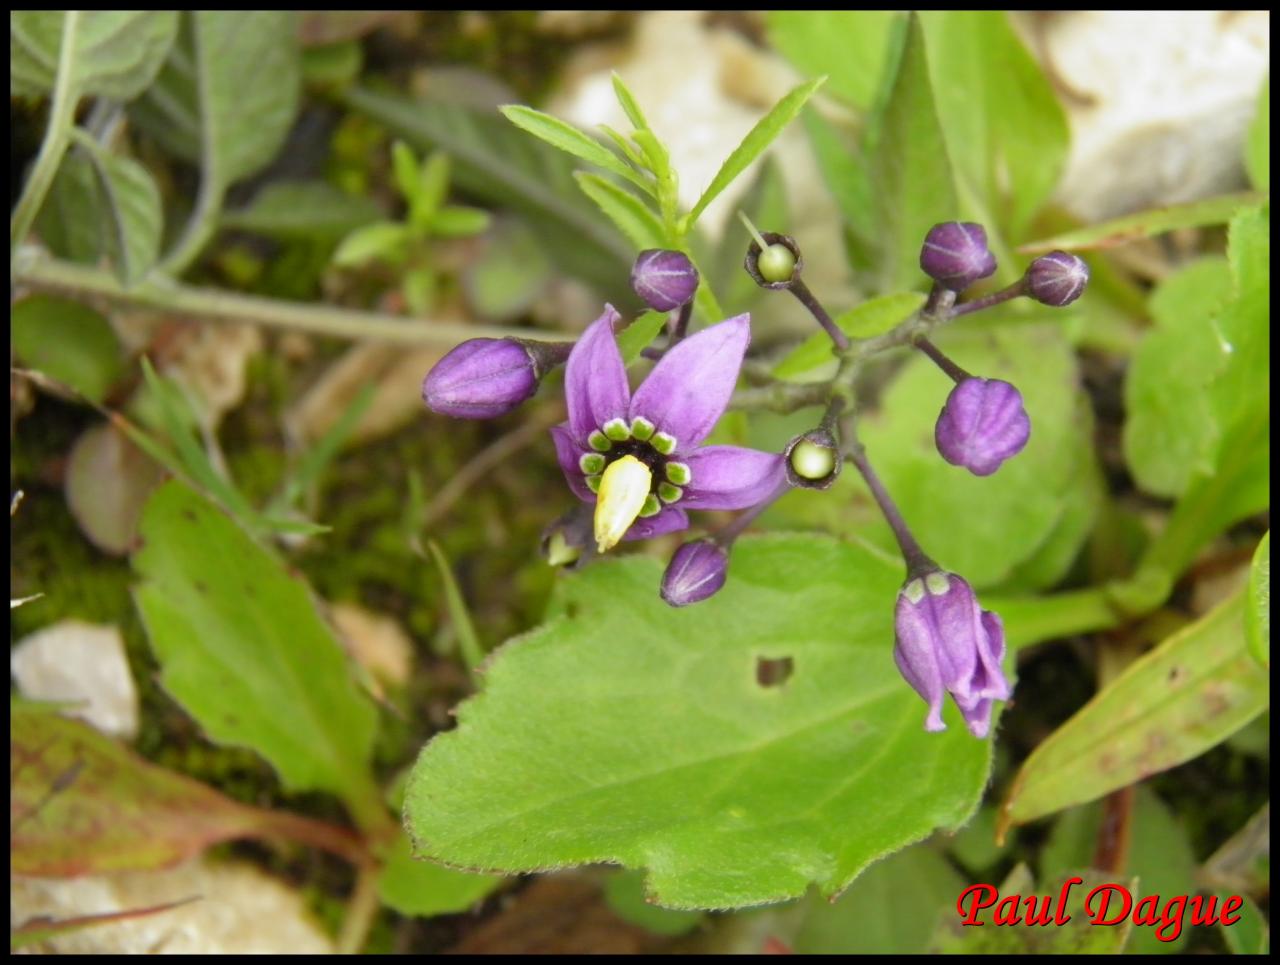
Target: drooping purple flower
{"type": "Point", "coordinates": [664, 279]}
{"type": "Point", "coordinates": [982, 424]}
{"type": "Point", "coordinates": [955, 254]}
{"type": "Point", "coordinates": [1057, 279]}
{"type": "Point", "coordinates": [487, 377]}
{"type": "Point", "coordinates": [697, 571]}
{"type": "Point", "coordinates": [946, 643]}
{"type": "Point", "coordinates": [640, 458]}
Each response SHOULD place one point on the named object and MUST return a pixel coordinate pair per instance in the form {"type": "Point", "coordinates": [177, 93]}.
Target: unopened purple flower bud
{"type": "Point", "coordinates": [982, 425]}
{"type": "Point", "coordinates": [946, 643]}
{"type": "Point", "coordinates": [955, 254]}
{"type": "Point", "coordinates": [1057, 279]}
{"type": "Point", "coordinates": [487, 377]}
{"type": "Point", "coordinates": [664, 279]}
{"type": "Point", "coordinates": [696, 571]}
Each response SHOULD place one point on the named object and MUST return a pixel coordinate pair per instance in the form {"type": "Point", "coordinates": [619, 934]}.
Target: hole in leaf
{"type": "Point", "coordinates": [773, 673]}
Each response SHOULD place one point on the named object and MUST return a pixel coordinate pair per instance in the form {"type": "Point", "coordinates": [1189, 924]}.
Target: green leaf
{"type": "Point", "coordinates": [71, 220]}
{"type": "Point", "coordinates": [850, 46]}
{"type": "Point", "coordinates": [67, 341]}
{"type": "Point", "coordinates": [569, 139]}
{"type": "Point", "coordinates": [639, 334]}
{"type": "Point", "coordinates": [626, 731]}
{"type": "Point", "coordinates": [754, 144]}
{"type": "Point", "coordinates": [625, 210]}
{"type": "Point", "coordinates": [302, 210]}
{"type": "Point", "coordinates": [1006, 132]}
{"type": "Point", "coordinates": [1145, 224]}
{"type": "Point", "coordinates": [1171, 432]}
{"type": "Point", "coordinates": [458, 221]}
{"type": "Point", "coordinates": [404, 168]}
{"type": "Point", "coordinates": [227, 94]}
{"type": "Point", "coordinates": [505, 167]}
{"type": "Point", "coordinates": [1257, 156]}
{"type": "Point", "coordinates": [242, 648]}
{"type": "Point", "coordinates": [624, 891]}
{"type": "Point", "coordinates": [1160, 857]}
{"type": "Point", "coordinates": [914, 188]}
{"type": "Point", "coordinates": [134, 219]}
{"type": "Point", "coordinates": [1250, 935]}
{"type": "Point", "coordinates": [388, 240]}
{"type": "Point", "coordinates": [83, 804]}
{"type": "Point", "coordinates": [415, 887]}
{"type": "Point", "coordinates": [1257, 622]}
{"type": "Point", "coordinates": [332, 66]}
{"type": "Point", "coordinates": [1188, 694]}
{"type": "Point", "coordinates": [891, 909]}
{"type": "Point", "coordinates": [430, 189]}
{"type": "Point", "coordinates": [627, 101]}
{"type": "Point", "coordinates": [116, 53]}
{"type": "Point", "coordinates": [809, 360]}
{"type": "Point", "coordinates": [847, 173]}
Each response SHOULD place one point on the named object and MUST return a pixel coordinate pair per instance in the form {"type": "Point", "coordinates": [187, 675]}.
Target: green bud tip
{"type": "Point", "coordinates": [812, 461]}
{"type": "Point", "coordinates": [776, 263]}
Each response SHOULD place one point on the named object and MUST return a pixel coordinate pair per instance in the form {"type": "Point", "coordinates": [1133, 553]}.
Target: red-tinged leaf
{"type": "Point", "coordinates": [82, 804]}
{"type": "Point", "coordinates": [42, 929]}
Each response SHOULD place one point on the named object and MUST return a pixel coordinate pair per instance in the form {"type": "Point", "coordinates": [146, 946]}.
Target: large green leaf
{"type": "Point", "coordinates": [114, 54]}
{"type": "Point", "coordinates": [71, 219]}
{"type": "Point", "coordinates": [914, 187]}
{"type": "Point", "coordinates": [228, 92]}
{"type": "Point", "coordinates": [506, 167]}
{"type": "Point", "coordinates": [626, 731]}
{"type": "Point", "coordinates": [416, 887]}
{"type": "Point", "coordinates": [755, 143]}
{"type": "Point", "coordinates": [243, 649]}
{"type": "Point", "coordinates": [83, 804]}
{"type": "Point", "coordinates": [1193, 691]}
{"type": "Point", "coordinates": [132, 218]}
{"type": "Point", "coordinates": [849, 46]}
{"type": "Point", "coordinates": [1171, 432]}
{"type": "Point", "coordinates": [847, 173]}
{"type": "Point", "coordinates": [1005, 131]}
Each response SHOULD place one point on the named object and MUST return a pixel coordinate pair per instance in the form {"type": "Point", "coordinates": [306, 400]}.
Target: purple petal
{"type": "Point", "coordinates": [956, 619]}
{"type": "Point", "coordinates": [568, 452]}
{"type": "Point", "coordinates": [670, 520]}
{"type": "Point", "coordinates": [595, 380]}
{"type": "Point", "coordinates": [988, 678]}
{"type": "Point", "coordinates": [917, 657]}
{"type": "Point", "coordinates": [686, 393]}
{"type": "Point", "coordinates": [978, 717]}
{"type": "Point", "coordinates": [731, 477]}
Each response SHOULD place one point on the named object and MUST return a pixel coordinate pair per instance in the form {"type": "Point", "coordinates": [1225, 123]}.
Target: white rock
{"type": "Point", "coordinates": [240, 910]}
{"type": "Point", "coordinates": [84, 663]}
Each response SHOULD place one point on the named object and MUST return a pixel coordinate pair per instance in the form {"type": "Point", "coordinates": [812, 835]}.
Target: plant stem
{"type": "Point", "coordinates": [362, 908]}
{"type": "Point", "coordinates": [682, 323]}
{"type": "Point", "coordinates": [1019, 287]}
{"type": "Point", "coordinates": [316, 834]}
{"type": "Point", "coordinates": [40, 273]}
{"type": "Point", "coordinates": [940, 359]}
{"type": "Point", "coordinates": [801, 291]}
{"type": "Point", "coordinates": [57, 137]}
{"type": "Point", "coordinates": [918, 562]}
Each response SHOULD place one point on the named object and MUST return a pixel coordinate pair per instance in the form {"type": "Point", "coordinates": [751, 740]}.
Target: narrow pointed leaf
{"type": "Point", "coordinates": [624, 209]}
{"type": "Point", "coordinates": [1258, 614]}
{"type": "Point", "coordinates": [567, 138]}
{"type": "Point", "coordinates": [755, 143]}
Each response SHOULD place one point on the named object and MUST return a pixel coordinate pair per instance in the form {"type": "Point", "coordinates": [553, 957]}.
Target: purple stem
{"type": "Point", "coordinates": [918, 562]}
{"type": "Point", "coordinates": [733, 530]}
{"type": "Point", "coordinates": [682, 323]}
{"type": "Point", "coordinates": [957, 374]}
{"type": "Point", "coordinates": [1019, 287]}
{"type": "Point", "coordinates": [801, 291]}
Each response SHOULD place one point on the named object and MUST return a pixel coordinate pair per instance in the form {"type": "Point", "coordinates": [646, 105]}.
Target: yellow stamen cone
{"type": "Point", "coordinates": [623, 490]}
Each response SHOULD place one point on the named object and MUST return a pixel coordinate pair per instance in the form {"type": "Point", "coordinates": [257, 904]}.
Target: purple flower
{"type": "Point", "coordinates": [640, 458]}
{"type": "Point", "coordinates": [982, 425]}
{"type": "Point", "coordinates": [696, 571]}
{"type": "Point", "coordinates": [664, 279]}
{"type": "Point", "coordinates": [945, 642]}
{"type": "Point", "coordinates": [487, 377]}
{"type": "Point", "coordinates": [1057, 279]}
{"type": "Point", "coordinates": [955, 254]}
